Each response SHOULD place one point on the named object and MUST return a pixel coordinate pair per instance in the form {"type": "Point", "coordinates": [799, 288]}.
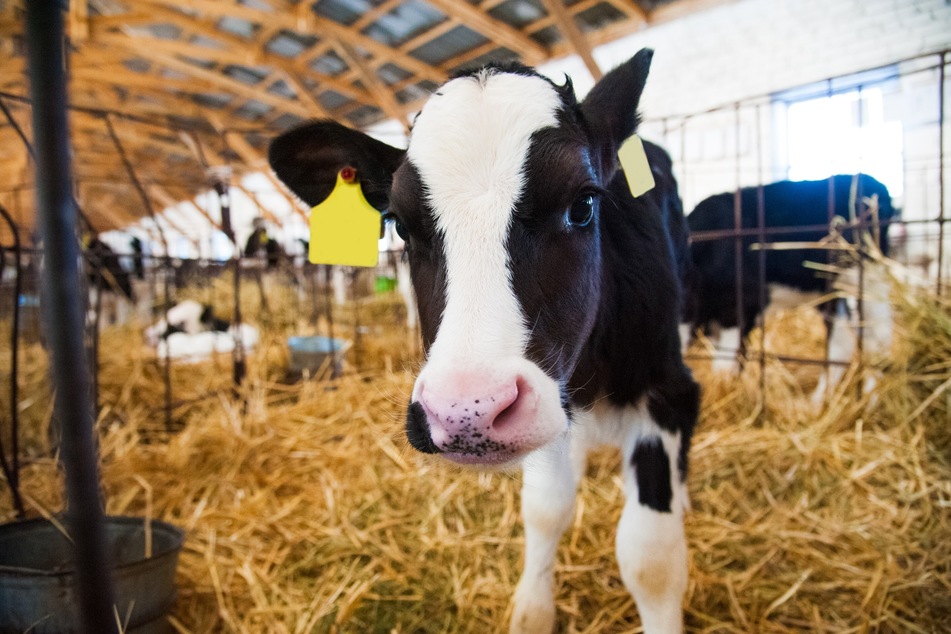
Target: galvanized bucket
{"type": "Point", "coordinates": [313, 354]}
{"type": "Point", "coordinates": [37, 577]}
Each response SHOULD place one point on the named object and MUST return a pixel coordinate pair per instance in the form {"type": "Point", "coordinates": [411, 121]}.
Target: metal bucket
{"type": "Point", "coordinates": [315, 353]}
{"type": "Point", "coordinates": [37, 577]}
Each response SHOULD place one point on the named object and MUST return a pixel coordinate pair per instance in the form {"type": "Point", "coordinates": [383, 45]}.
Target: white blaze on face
{"type": "Point", "coordinates": [469, 145]}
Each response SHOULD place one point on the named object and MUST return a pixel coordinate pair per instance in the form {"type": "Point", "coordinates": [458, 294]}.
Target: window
{"type": "Point", "coordinates": [843, 131]}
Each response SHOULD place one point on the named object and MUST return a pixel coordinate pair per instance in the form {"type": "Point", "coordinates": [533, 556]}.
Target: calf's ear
{"type": "Point", "coordinates": [308, 158]}
{"type": "Point", "coordinates": [610, 109]}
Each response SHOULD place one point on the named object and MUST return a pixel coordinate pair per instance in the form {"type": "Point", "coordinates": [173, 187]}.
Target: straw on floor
{"type": "Point", "coordinates": [306, 511]}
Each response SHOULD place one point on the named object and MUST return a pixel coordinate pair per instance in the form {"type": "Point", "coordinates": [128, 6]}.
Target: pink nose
{"type": "Point", "coordinates": [483, 420]}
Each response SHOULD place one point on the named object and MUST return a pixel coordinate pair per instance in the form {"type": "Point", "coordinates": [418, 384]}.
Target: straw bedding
{"type": "Point", "coordinates": [306, 511]}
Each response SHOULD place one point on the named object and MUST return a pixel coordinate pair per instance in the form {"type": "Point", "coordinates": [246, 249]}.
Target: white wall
{"type": "Point", "coordinates": [754, 48]}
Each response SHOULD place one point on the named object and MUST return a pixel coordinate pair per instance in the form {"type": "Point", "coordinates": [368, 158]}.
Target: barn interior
{"type": "Point", "coordinates": [280, 452]}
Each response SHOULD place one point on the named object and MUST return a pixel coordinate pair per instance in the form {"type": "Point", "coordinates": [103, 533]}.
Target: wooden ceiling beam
{"type": "Point", "coordinates": [387, 100]}
{"type": "Point", "coordinates": [257, 162]}
{"type": "Point", "coordinates": [121, 76]}
{"type": "Point", "coordinates": [245, 55]}
{"type": "Point", "coordinates": [375, 14]}
{"type": "Point", "coordinates": [93, 204]}
{"type": "Point", "coordinates": [257, 93]}
{"type": "Point", "coordinates": [308, 23]}
{"type": "Point", "coordinates": [428, 36]}
{"type": "Point", "coordinates": [78, 23]}
{"type": "Point", "coordinates": [569, 28]}
{"type": "Point", "coordinates": [495, 30]}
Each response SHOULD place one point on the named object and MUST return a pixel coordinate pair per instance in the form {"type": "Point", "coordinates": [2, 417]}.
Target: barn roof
{"type": "Point", "coordinates": [175, 95]}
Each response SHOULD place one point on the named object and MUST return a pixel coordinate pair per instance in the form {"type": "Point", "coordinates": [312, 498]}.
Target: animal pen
{"type": "Point", "coordinates": [305, 511]}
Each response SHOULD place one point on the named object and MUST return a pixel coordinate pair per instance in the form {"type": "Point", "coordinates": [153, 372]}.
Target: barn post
{"type": "Point", "coordinates": [62, 311]}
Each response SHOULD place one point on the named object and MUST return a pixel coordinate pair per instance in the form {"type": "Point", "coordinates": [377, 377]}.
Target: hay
{"type": "Point", "coordinates": [307, 512]}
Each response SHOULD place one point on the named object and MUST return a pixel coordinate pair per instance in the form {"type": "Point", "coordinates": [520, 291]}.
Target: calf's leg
{"type": "Point", "coordinates": [550, 482]}
{"type": "Point", "coordinates": [651, 544]}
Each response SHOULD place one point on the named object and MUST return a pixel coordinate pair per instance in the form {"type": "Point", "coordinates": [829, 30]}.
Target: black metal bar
{"type": "Point", "coordinates": [167, 357]}
{"type": "Point", "coordinates": [941, 216]}
{"type": "Point", "coordinates": [859, 236]}
{"type": "Point", "coordinates": [239, 365]}
{"type": "Point", "coordinates": [720, 234]}
{"type": "Point", "coordinates": [11, 469]}
{"type": "Point", "coordinates": [62, 312]}
{"type": "Point", "coordinates": [761, 256]}
{"type": "Point", "coordinates": [328, 281]}
{"type": "Point", "coordinates": [738, 243]}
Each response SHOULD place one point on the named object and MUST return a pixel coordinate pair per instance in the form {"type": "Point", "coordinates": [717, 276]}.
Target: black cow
{"type": "Point", "coordinates": [104, 269]}
{"type": "Point", "coordinates": [794, 211]}
{"type": "Point", "coordinates": [549, 301]}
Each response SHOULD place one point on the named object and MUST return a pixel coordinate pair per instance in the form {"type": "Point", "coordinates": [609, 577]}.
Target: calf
{"type": "Point", "coordinates": [189, 317]}
{"type": "Point", "coordinates": [549, 302]}
{"type": "Point", "coordinates": [796, 211]}
{"type": "Point", "coordinates": [105, 270]}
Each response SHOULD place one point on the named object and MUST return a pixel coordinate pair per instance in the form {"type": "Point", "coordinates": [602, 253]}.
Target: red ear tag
{"type": "Point", "coordinates": [348, 174]}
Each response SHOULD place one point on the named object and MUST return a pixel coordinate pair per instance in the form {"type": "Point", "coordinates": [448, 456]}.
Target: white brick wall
{"type": "Point", "coordinates": [753, 48]}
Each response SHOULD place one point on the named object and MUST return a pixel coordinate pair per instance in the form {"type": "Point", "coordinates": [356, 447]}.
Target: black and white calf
{"type": "Point", "coordinates": [191, 332]}
{"type": "Point", "coordinates": [549, 301]}
{"type": "Point", "coordinates": [793, 211]}
{"type": "Point", "coordinates": [189, 317]}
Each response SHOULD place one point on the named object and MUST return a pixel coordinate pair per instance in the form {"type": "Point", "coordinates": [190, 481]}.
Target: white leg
{"type": "Point", "coordinates": [549, 486]}
{"type": "Point", "coordinates": [840, 348]}
{"type": "Point", "coordinates": [651, 544]}
{"type": "Point", "coordinates": [728, 346]}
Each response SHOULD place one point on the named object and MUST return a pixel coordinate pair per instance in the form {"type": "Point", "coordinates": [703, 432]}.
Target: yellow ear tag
{"type": "Point", "coordinates": [633, 161]}
{"type": "Point", "coordinates": [345, 228]}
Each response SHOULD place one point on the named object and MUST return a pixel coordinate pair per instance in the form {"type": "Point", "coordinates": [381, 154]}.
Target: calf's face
{"type": "Point", "coordinates": [498, 197]}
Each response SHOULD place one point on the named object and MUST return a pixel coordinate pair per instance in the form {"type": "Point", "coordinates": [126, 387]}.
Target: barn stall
{"type": "Point", "coordinates": [302, 505]}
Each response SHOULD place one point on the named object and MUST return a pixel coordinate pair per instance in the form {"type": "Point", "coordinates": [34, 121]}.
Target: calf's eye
{"type": "Point", "coordinates": [581, 211]}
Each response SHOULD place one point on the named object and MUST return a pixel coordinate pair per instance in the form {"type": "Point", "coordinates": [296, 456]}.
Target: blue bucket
{"type": "Point", "coordinates": [312, 354]}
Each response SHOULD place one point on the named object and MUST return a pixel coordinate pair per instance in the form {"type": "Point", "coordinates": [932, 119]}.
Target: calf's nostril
{"type": "Point", "coordinates": [417, 429]}
{"type": "Point", "coordinates": [505, 417]}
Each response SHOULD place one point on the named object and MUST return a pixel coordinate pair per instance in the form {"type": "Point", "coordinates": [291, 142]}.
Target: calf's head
{"type": "Point", "coordinates": [499, 198]}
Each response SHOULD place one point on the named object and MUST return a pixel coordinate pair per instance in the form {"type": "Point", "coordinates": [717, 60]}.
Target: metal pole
{"type": "Point", "coordinates": [11, 470]}
{"type": "Point", "coordinates": [62, 311]}
{"type": "Point", "coordinates": [738, 244]}
{"type": "Point", "coordinates": [224, 201]}
{"type": "Point", "coordinates": [761, 277]}
{"type": "Point", "coordinates": [941, 216]}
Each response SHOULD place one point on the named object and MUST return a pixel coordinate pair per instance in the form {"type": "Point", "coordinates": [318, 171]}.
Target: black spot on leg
{"type": "Point", "coordinates": [417, 429]}
{"type": "Point", "coordinates": [652, 471]}
{"type": "Point", "coordinates": [675, 407]}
